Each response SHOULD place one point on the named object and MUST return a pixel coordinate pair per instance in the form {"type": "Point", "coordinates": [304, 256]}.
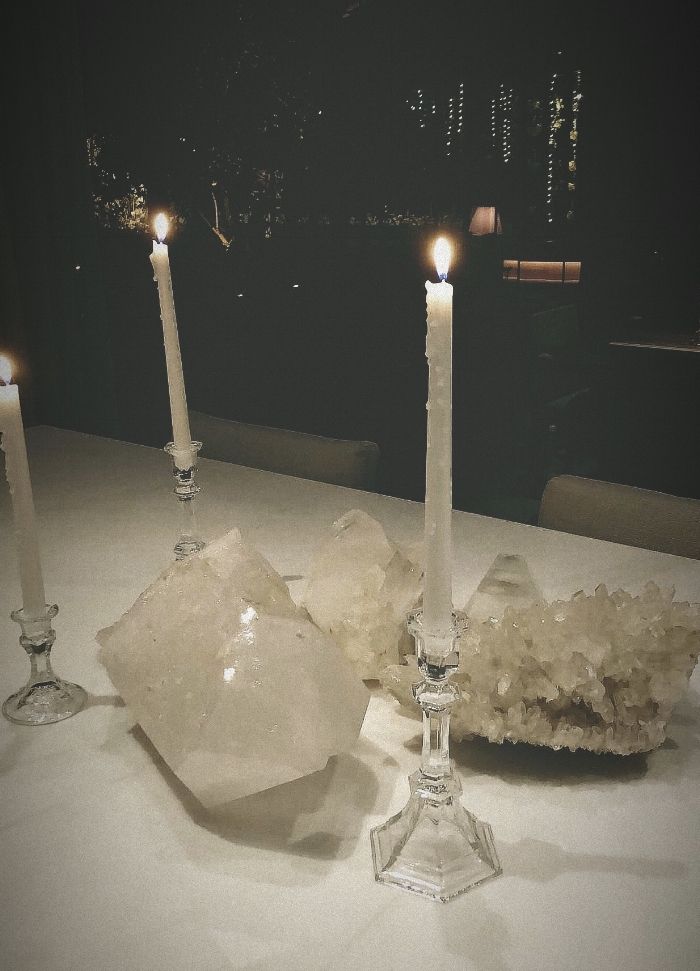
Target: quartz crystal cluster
{"type": "Point", "coordinates": [232, 683]}
{"type": "Point", "coordinates": [361, 587]}
{"type": "Point", "coordinates": [599, 672]}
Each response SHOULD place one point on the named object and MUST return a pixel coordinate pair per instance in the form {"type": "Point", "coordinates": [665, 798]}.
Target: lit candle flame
{"type": "Point", "coordinates": [162, 224]}
{"type": "Point", "coordinates": [442, 253]}
{"type": "Point", "coordinates": [5, 369]}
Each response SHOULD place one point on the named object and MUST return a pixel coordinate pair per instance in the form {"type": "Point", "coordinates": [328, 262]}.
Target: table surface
{"type": "Point", "coordinates": [106, 860]}
{"type": "Point", "coordinates": [682, 343]}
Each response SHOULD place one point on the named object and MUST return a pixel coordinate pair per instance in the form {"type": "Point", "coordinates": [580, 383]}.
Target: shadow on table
{"type": "Point", "coordinates": [540, 861]}
{"type": "Point", "coordinates": [520, 762]}
{"type": "Point", "coordinates": [21, 740]}
{"type": "Point", "coordinates": [103, 701]}
{"type": "Point", "coordinates": [321, 815]}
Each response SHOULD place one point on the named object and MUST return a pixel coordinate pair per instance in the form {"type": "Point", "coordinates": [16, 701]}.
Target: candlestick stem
{"type": "Point", "coordinates": [186, 490]}
{"type": "Point", "coordinates": [434, 846]}
{"type": "Point", "coordinates": [45, 698]}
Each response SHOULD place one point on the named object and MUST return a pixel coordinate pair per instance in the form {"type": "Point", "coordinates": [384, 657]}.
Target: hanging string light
{"type": "Point", "coordinates": [576, 97]}
{"type": "Point", "coordinates": [507, 126]}
{"type": "Point", "coordinates": [551, 145]}
{"type": "Point", "coordinates": [502, 105]}
{"type": "Point", "coordinates": [493, 124]}
{"type": "Point", "coordinates": [450, 124]}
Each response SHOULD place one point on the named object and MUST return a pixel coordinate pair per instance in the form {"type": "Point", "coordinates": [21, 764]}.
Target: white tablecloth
{"type": "Point", "coordinates": [107, 862]}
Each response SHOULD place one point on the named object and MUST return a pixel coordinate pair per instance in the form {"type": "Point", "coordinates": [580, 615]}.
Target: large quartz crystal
{"type": "Point", "coordinates": [508, 583]}
{"type": "Point", "coordinates": [361, 587]}
{"type": "Point", "coordinates": [232, 683]}
{"type": "Point", "coordinates": [599, 672]}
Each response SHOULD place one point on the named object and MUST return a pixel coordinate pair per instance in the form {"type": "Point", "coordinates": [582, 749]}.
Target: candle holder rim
{"type": "Point", "coordinates": [171, 447]}
{"type": "Point", "coordinates": [458, 625]}
{"type": "Point", "coordinates": [20, 615]}
{"type": "Point", "coordinates": [172, 450]}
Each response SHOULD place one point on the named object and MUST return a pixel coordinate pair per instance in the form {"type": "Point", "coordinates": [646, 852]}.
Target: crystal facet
{"type": "Point", "coordinates": [233, 684]}
{"type": "Point", "coordinates": [361, 586]}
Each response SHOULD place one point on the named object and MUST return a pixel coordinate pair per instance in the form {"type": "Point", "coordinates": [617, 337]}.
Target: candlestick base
{"type": "Point", "coordinates": [186, 490]}
{"type": "Point", "coordinates": [434, 846]}
{"type": "Point", "coordinates": [186, 547]}
{"type": "Point", "coordinates": [45, 698]}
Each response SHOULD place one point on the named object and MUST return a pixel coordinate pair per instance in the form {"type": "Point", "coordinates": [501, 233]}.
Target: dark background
{"type": "Point", "coordinates": [180, 96]}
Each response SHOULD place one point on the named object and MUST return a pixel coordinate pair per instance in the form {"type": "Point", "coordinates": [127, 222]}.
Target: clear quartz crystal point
{"type": "Point", "coordinates": [45, 698]}
{"type": "Point", "coordinates": [237, 689]}
{"type": "Point", "coordinates": [434, 846]}
{"type": "Point", "coordinates": [507, 583]}
{"type": "Point", "coordinates": [186, 490]}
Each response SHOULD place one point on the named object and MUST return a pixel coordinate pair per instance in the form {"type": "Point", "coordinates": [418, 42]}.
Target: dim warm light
{"type": "Point", "coordinates": [5, 369]}
{"type": "Point", "coordinates": [442, 253]}
{"type": "Point", "coordinates": [542, 271]}
{"type": "Point", "coordinates": [485, 221]}
{"type": "Point", "coordinates": [162, 224]}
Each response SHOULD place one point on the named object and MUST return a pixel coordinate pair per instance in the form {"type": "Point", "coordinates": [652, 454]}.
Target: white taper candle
{"type": "Point", "coordinates": [18, 478]}
{"type": "Point", "coordinates": [176, 382]}
{"type": "Point", "coordinates": [437, 596]}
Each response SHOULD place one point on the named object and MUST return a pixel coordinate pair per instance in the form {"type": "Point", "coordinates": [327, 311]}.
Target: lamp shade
{"type": "Point", "coordinates": [485, 222]}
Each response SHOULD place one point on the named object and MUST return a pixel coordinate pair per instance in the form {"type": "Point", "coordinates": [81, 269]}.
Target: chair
{"type": "Point", "coordinates": [334, 460]}
{"type": "Point", "coordinates": [622, 514]}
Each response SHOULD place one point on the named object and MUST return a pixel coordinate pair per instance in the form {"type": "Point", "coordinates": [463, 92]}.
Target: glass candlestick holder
{"type": "Point", "coordinates": [434, 846]}
{"type": "Point", "coordinates": [186, 489]}
{"type": "Point", "coordinates": [45, 698]}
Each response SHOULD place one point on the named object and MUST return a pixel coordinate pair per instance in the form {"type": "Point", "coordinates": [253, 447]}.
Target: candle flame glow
{"type": "Point", "coordinates": [162, 224]}
{"type": "Point", "coordinates": [442, 253]}
{"type": "Point", "coordinates": [5, 369]}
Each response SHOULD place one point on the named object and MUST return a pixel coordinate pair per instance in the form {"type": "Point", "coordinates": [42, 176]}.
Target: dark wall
{"type": "Point", "coordinates": [638, 201]}
{"type": "Point", "coordinates": [342, 354]}
{"type": "Point", "coordinates": [59, 325]}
